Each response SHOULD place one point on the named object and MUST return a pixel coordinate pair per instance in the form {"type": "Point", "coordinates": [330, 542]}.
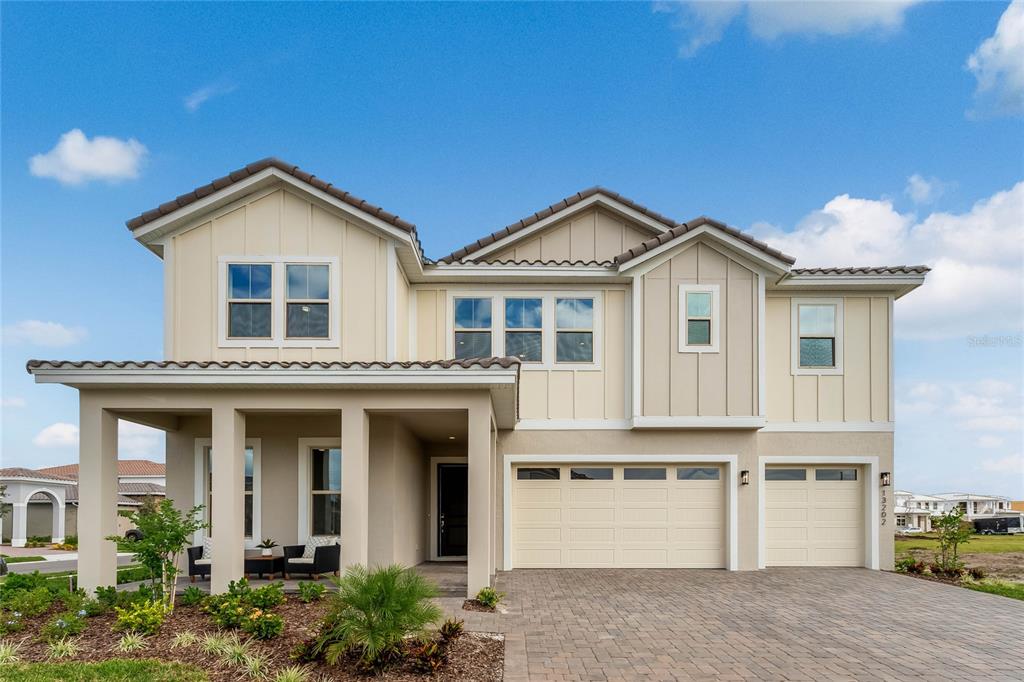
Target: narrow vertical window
{"type": "Point", "coordinates": [325, 492]}
{"type": "Point", "coordinates": [308, 308]}
{"type": "Point", "coordinates": [817, 324]}
{"type": "Point", "coordinates": [698, 318]}
{"type": "Point", "coordinates": [523, 328]}
{"type": "Point", "coordinates": [249, 491]}
{"type": "Point", "coordinates": [472, 328]}
{"type": "Point", "coordinates": [574, 330]}
{"type": "Point", "coordinates": [249, 301]}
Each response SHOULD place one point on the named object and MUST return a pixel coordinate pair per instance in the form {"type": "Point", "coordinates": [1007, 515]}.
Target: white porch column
{"type": "Point", "coordinates": [479, 474]}
{"type": "Point", "coordinates": [355, 486]}
{"type": "Point", "coordinates": [57, 530]}
{"type": "Point", "coordinates": [97, 495]}
{"type": "Point", "coordinates": [19, 524]}
{"type": "Point", "coordinates": [227, 456]}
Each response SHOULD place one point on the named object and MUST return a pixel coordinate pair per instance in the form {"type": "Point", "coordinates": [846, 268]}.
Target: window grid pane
{"type": "Point", "coordinates": [574, 346]}
{"type": "Point", "coordinates": [698, 332]}
{"type": "Point", "coordinates": [698, 304]}
{"type": "Point", "coordinates": [697, 474]}
{"type": "Point", "coordinates": [326, 514]}
{"type": "Point", "coordinates": [249, 320]}
{"type": "Point", "coordinates": [816, 352]}
{"type": "Point", "coordinates": [785, 474]}
{"type": "Point", "coordinates": [472, 345]}
{"type": "Point", "coordinates": [835, 474]}
{"type": "Point", "coordinates": [249, 282]}
{"type": "Point", "coordinates": [817, 320]}
{"type": "Point", "coordinates": [523, 345]}
{"type": "Point", "coordinates": [574, 313]}
{"type": "Point", "coordinates": [472, 313]}
{"type": "Point", "coordinates": [591, 473]}
{"type": "Point", "coordinates": [523, 313]}
{"type": "Point", "coordinates": [308, 282]}
{"type": "Point", "coordinates": [643, 474]}
{"type": "Point", "coordinates": [308, 320]}
{"type": "Point", "coordinates": [537, 473]}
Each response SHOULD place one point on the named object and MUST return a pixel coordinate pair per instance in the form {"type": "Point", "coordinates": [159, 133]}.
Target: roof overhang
{"type": "Point", "coordinates": [498, 376]}
{"type": "Point", "coordinates": [898, 285]}
{"type": "Point", "coordinates": [519, 272]}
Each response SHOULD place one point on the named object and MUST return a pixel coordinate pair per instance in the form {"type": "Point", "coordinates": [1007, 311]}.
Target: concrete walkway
{"type": "Point", "coordinates": [778, 624]}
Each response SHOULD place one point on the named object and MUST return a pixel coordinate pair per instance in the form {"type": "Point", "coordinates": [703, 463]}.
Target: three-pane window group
{"type": "Point", "coordinates": [524, 328]}
{"type": "Point", "coordinates": [251, 302]}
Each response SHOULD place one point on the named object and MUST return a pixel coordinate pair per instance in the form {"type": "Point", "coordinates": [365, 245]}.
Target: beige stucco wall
{"type": "Point", "coordinates": [593, 234]}
{"type": "Point", "coordinates": [544, 393]}
{"type": "Point", "coordinates": [722, 383]}
{"type": "Point", "coordinates": [399, 482]}
{"type": "Point", "coordinates": [280, 223]}
{"type": "Point", "coordinates": [859, 394]}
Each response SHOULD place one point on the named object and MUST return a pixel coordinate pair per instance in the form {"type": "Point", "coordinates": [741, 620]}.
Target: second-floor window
{"type": "Point", "coordinates": [817, 329]}
{"type": "Point", "coordinates": [250, 301]}
{"type": "Point", "coordinates": [524, 321]}
{"type": "Point", "coordinates": [308, 308]}
{"type": "Point", "coordinates": [574, 330]}
{"type": "Point", "coordinates": [472, 328]}
{"type": "Point", "coordinates": [698, 318]}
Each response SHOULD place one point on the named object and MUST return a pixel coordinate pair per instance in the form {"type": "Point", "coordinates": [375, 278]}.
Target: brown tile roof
{"type": "Point", "coordinates": [141, 489]}
{"type": "Point", "coordinates": [682, 228]}
{"type": "Point", "coordinates": [22, 472]}
{"type": "Point", "coordinates": [254, 168]}
{"type": "Point", "coordinates": [125, 467]}
{"type": "Point", "coordinates": [548, 263]}
{"type": "Point", "coordinates": [459, 254]}
{"type": "Point", "coordinates": [868, 270]}
{"type": "Point", "coordinates": [32, 365]}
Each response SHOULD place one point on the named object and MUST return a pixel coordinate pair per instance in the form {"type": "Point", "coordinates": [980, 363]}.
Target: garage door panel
{"type": "Point", "coordinates": [786, 556]}
{"type": "Point", "coordinates": [837, 497]}
{"type": "Point", "coordinates": [786, 535]}
{"type": "Point", "coordinates": [786, 515]}
{"type": "Point", "coordinates": [783, 492]}
{"type": "Point", "coordinates": [605, 523]}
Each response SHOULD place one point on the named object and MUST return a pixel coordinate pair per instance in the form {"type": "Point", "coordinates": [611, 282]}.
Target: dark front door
{"type": "Point", "coordinates": [452, 508]}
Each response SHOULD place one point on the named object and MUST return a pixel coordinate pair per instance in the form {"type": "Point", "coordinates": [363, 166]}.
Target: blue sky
{"type": "Point", "coordinates": [846, 135]}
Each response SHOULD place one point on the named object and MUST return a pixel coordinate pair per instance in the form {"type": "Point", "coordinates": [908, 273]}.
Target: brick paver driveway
{"type": "Point", "coordinates": [779, 624]}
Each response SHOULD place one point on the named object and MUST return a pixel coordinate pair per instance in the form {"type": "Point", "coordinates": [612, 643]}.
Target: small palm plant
{"type": "Point", "coordinates": [372, 612]}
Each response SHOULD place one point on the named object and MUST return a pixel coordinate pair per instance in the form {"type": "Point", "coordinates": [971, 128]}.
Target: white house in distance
{"type": "Point", "coordinates": [916, 511]}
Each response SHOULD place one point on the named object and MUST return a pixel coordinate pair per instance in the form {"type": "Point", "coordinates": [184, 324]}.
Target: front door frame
{"type": "Point", "coordinates": [432, 512]}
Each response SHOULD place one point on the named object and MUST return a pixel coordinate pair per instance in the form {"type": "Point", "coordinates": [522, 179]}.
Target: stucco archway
{"type": "Point", "coordinates": [22, 484]}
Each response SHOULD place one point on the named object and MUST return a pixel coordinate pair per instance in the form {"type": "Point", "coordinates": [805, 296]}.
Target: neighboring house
{"type": "Point", "coordinates": [51, 509]}
{"type": "Point", "coordinates": [1017, 505]}
{"type": "Point", "coordinates": [918, 510]}
{"type": "Point", "coordinates": [595, 385]}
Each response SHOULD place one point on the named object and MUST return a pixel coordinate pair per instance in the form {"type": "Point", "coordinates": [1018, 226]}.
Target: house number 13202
{"type": "Point", "coordinates": [882, 503]}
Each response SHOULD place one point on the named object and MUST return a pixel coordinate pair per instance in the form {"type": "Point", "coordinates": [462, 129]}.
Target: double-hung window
{"type": "Point", "coordinates": [250, 483]}
{"type": "Point", "coordinates": [472, 328]}
{"type": "Point", "coordinates": [250, 301]}
{"type": "Point", "coordinates": [817, 333]}
{"type": "Point", "coordinates": [308, 308]}
{"type": "Point", "coordinates": [574, 330]}
{"type": "Point", "coordinates": [698, 318]}
{"type": "Point", "coordinates": [325, 492]}
{"type": "Point", "coordinates": [524, 322]}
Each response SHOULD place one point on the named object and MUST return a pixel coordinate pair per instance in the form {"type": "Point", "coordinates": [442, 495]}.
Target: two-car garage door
{"type": "Point", "coordinates": [603, 515]}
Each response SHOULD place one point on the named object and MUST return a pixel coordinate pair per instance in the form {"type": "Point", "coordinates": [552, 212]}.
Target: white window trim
{"type": "Point", "coordinates": [305, 478]}
{"type": "Point", "coordinates": [279, 302]}
{"type": "Point", "coordinates": [199, 488]}
{"type": "Point", "coordinates": [794, 343]}
{"type": "Point", "coordinates": [548, 329]}
{"type": "Point", "coordinates": [712, 289]}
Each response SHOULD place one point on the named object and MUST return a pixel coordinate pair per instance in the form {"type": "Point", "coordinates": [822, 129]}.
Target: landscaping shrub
{"type": "Point", "coordinates": [450, 630]}
{"type": "Point", "coordinates": [293, 673]}
{"type": "Point", "coordinates": [226, 610]}
{"type": "Point", "coordinates": [370, 615]}
{"type": "Point", "coordinates": [263, 624]}
{"type": "Point", "coordinates": [142, 617]}
{"type": "Point", "coordinates": [11, 622]}
{"type": "Point", "coordinates": [909, 564]}
{"type": "Point", "coordinates": [131, 641]}
{"type": "Point", "coordinates": [976, 573]}
{"type": "Point", "coordinates": [256, 666]}
{"type": "Point", "coordinates": [23, 582]}
{"type": "Point", "coordinates": [192, 596]}
{"type": "Point", "coordinates": [489, 597]}
{"type": "Point", "coordinates": [107, 596]}
{"type": "Point", "coordinates": [311, 592]}
{"type": "Point", "coordinates": [32, 602]}
{"type": "Point", "coordinates": [427, 657]}
{"type": "Point", "coordinates": [9, 652]}
{"type": "Point", "coordinates": [62, 648]}
{"type": "Point", "coordinates": [266, 597]}
{"type": "Point", "coordinates": [62, 626]}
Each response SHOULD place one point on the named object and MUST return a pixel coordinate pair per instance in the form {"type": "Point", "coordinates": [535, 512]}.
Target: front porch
{"type": "Point", "coordinates": [393, 471]}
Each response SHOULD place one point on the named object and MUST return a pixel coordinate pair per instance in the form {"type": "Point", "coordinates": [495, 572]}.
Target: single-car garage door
{"type": "Point", "coordinates": [814, 516]}
{"type": "Point", "coordinates": [601, 515]}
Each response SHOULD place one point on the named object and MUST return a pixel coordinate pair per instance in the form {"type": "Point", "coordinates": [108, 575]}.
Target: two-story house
{"type": "Point", "coordinates": [596, 385]}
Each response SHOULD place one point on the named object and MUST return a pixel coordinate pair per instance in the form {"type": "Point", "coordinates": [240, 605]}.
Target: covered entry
{"type": "Point", "coordinates": [607, 514]}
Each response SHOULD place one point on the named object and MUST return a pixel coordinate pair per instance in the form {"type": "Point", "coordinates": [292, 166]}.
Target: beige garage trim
{"type": "Point", "coordinates": [614, 522]}
{"type": "Point", "coordinates": [818, 522]}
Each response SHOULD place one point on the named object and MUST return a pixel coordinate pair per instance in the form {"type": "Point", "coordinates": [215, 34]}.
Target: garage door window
{"type": "Point", "coordinates": [537, 473]}
{"type": "Point", "coordinates": [643, 474]}
{"type": "Point", "coordinates": [835, 475]}
{"type": "Point", "coordinates": [591, 474]}
{"type": "Point", "coordinates": [785, 474]}
{"type": "Point", "coordinates": [697, 474]}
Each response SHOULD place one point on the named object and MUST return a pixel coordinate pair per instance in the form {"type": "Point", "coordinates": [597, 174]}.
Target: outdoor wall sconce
{"type": "Point", "coordinates": [886, 479]}
{"type": "Point", "coordinates": [745, 477]}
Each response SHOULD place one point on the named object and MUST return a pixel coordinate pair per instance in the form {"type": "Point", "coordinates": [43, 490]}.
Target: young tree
{"type": "Point", "coordinates": [166, 532]}
{"type": "Point", "coordinates": [953, 531]}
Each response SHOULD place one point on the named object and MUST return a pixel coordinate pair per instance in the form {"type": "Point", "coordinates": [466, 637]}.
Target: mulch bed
{"type": "Point", "coordinates": [472, 656]}
{"type": "Point", "coordinates": [474, 605]}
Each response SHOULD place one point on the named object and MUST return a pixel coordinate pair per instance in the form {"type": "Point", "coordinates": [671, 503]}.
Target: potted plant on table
{"type": "Point", "coordinates": [267, 546]}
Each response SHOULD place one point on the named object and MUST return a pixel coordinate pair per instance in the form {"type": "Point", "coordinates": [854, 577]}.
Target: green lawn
{"type": "Point", "coordinates": [21, 559]}
{"type": "Point", "coordinates": [979, 544]}
{"type": "Point", "coordinates": [1000, 587]}
{"type": "Point", "coordinates": [113, 670]}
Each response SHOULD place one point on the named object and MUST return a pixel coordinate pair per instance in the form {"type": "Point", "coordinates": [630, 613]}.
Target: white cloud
{"type": "Point", "coordinates": [989, 441]}
{"type": "Point", "coordinates": [199, 97]}
{"type": "Point", "coordinates": [1006, 422]}
{"type": "Point", "coordinates": [922, 190]}
{"type": "Point", "coordinates": [977, 258]}
{"type": "Point", "coordinates": [12, 402]}
{"type": "Point", "coordinates": [998, 65]}
{"type": "Point", "coordinates": [703, 23]}
{"type": "Point", "coordinates": [1009, 464]}
{"type": "Point", "coordinates": [135, 440]}
{"type": "Point", "coordinates": [59, 435]}
{"type": "Point", "coordinates": [76, 159]}
{"type": "Point", "coordinates": [38, 333]}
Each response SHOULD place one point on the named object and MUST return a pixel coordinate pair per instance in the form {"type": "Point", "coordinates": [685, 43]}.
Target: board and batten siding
{"type": "Point", "coordinates": [592, 235]}
{"type": "Point", "coordinates": [278, 223]}
{"type": "Point", "coordinates": [859, 394]}
{"type": "Point", "coordinates": [547, 393]}
{"type": "Point", "coordinates": [722, 383]}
